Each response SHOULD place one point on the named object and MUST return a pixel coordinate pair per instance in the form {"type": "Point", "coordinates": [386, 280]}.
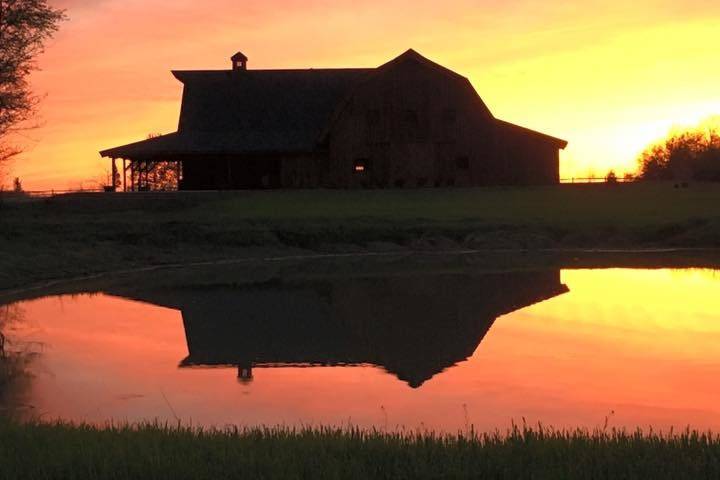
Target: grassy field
{"type": "Point", "coordinates": [80, 234]}
{"type": "Point", "coordinates": [41, 451]}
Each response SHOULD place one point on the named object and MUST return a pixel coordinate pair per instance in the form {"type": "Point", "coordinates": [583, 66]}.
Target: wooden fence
{"type": "Point", "coordinates": [589, 180]}
{"type": "Point", "coordinates": [35, 194]}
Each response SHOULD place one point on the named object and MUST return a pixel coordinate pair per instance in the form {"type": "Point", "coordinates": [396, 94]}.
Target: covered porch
{"type": "Point", "coordinates": [188, 162]}
{"type": "Point", "coordinates": [143, 175]}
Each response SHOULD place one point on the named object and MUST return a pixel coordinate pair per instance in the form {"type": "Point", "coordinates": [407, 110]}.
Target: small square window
{"type": "Point", "coordinates": [411, 117]}
{"type": "Point", "coordinates": [360, 165]}
{"type": "Point", "coordinates": [462, 163]}
{"type": "Point", "coordinates": [373, 117]}
{"type": "Point", "coordinates": [449, 115]}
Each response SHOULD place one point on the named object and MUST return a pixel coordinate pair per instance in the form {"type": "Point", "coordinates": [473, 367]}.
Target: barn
{"type": "Point", "coordinates": [408, 123]}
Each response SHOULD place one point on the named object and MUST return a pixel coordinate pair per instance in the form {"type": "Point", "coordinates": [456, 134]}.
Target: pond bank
{"type": "Point", "coordinates": [79, 235]}
{"type": "Point", "coordinates": [256, 265]}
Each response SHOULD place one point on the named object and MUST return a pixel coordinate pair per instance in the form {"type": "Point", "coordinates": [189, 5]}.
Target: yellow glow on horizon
{"type": "Point", "coordinates": [607, 76]}
{"type": "Point", "coordinates": [683, 299]}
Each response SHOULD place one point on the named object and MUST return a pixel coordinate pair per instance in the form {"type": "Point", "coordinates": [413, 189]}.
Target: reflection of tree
{"type": "Point", "coordinates": [9, 314]}
{"type": "Point", "coordinates": [14, 363]}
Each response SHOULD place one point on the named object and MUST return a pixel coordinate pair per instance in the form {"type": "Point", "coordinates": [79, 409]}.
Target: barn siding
{"type": "Point", "coordinates": [302, 171]}
{"type": "Point", "coordinates": [417, 127]}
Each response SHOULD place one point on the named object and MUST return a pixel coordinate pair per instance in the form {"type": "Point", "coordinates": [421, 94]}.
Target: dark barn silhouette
{"type": "Point", "coordinates": [407, 123]}
{"type": "Point", "coordinates": [412, 326]}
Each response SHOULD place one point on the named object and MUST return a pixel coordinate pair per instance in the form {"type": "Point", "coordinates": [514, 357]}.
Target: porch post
{"type": "Point", "coordinates": [114, 174]}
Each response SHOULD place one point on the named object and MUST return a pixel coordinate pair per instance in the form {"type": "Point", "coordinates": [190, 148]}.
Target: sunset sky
{"type": "Point", "coordinates": [608, 76]}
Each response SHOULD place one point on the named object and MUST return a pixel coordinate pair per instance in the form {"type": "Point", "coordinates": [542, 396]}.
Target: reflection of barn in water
{"type": "Point", "coordinates": [412, 326]}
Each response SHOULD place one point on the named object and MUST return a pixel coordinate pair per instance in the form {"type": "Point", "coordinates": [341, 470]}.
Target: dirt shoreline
{"type": "Point", "coordinates": [76, 236]}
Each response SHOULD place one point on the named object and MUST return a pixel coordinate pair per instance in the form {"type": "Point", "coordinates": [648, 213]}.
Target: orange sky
{"type": "Point", "coordinates": [609, 76]}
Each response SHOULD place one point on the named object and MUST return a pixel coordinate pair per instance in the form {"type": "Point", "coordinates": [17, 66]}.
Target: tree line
{"type": "Point", "coordinates": [692, 154]}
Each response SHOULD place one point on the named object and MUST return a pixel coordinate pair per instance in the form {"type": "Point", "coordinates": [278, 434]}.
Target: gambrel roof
{"type": "Point", "coordinates": [250, 111]}
{"type": "Point", "coordinates": [234, 112]}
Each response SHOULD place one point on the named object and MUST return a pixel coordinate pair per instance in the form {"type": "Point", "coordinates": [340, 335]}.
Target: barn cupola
{"type": "Point", "coordinates": [239, 61]}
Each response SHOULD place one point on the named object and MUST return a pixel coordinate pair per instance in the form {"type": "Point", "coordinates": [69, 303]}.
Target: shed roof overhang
{"type": "Point", "coordinates": [558, 142]}
{"type": "Point", "coordinates": [175, 146]}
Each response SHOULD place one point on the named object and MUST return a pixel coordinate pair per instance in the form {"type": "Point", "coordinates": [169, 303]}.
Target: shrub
{"type": "Point", "coordinates": [691, 154]}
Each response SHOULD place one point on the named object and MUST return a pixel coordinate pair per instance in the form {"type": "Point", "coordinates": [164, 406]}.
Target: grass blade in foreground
{"type": "Point", "coordinates": [158, 451]}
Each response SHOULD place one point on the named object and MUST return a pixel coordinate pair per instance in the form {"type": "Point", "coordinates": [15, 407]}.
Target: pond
{"type": "Point", "coordinates": [417, 350]}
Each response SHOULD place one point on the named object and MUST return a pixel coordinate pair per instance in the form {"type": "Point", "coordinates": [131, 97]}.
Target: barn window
{"type": "Point", "coordinates": [462, 163]}
{"type": "Point", "coordinates": [411, 118]}
{"type": "Point", "coordinates": [373, 117]}
{"type": "Point", "coordinates": [449, 115]}
{"type": "Point", "coordinates": [360, 165]}
{"type": "Point", "coordinates": [375, 125]}
{"type": "Point", "coordinates": [414, 128]}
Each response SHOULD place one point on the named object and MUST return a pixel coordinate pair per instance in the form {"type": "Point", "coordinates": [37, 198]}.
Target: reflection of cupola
{"type": "Point", "coordinates": [239, 61]}
{"type": "Point", "coordinates": [244, 373]}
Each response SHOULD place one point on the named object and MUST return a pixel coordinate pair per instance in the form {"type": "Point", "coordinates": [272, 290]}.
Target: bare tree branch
{"type": "Point", "coordinates": [25, 25]}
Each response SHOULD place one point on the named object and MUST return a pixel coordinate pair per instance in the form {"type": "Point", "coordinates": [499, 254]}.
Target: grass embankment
{"type": "Point", "coordinates": [79, 234]}
{"type": "Point", "coordinates": [37, 451]}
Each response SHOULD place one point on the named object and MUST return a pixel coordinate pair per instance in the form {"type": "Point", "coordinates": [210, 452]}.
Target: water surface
{"type": "Point", "coordinates": [435, 350]}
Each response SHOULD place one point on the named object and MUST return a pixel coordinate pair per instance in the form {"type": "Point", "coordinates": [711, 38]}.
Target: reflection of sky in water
{"type": "Point", "coordinates": [639, 343]}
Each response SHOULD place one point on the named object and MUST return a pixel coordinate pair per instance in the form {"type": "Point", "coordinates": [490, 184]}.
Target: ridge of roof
{"type": "Point", "coordinates": [411, 54]}
{"type": "Point", "coordinates": [185, 75]}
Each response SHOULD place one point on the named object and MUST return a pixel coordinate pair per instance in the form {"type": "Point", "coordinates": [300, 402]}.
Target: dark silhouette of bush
{"type": "Point", "coordinates": [689, 155]}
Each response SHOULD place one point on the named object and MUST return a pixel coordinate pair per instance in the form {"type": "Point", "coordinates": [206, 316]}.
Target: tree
{"type": "Point", "coordinates": [611, 177]}
{"type": "Point", "coordinates": [690, 154]}
{"type": "Point", "coordinates": [163, 175]}
{"type": "Point", "coordinates": [25, 25]}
